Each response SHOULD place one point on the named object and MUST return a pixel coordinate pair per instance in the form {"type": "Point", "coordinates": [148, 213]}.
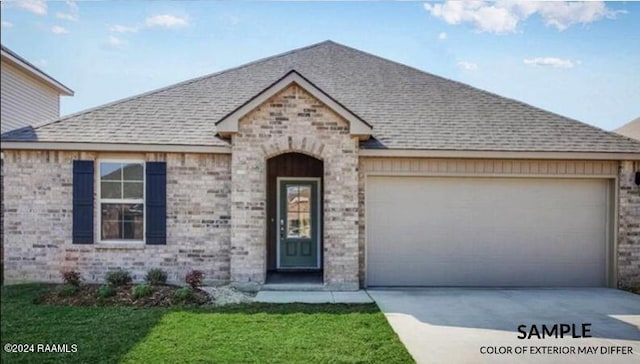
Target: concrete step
{"type": "Point", "coordinates": [313, 297]}
{"type": "Point", "coordinates": [293, 287]}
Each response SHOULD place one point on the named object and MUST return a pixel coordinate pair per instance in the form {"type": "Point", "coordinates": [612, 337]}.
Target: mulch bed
{"type": "Point", "coordinates": [87, 295]}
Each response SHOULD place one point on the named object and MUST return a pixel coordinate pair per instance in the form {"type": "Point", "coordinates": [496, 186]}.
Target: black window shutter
{"type": "Point", "coordinates": [82, 202]}
{"type": "Point", "coordinates": [156, 200]}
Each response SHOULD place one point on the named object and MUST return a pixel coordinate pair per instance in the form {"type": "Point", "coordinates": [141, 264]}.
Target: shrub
{"type": "Point", "coordinates": [118, 277]}
{"type": "Point", "coordinates": [183, 294]}
{"type": "Point", "coordinates": [106, 291]}
{"type": "Point", "coordinates": [156, 276]}
{"type": "Point", "coordinates": [194, 278]}
{"type": "Point", "coordinates": [141, 290]}
{"type": "Point", "coordinates": [71, 277]}
{"type": "Point", "coordinates": [67, 290]}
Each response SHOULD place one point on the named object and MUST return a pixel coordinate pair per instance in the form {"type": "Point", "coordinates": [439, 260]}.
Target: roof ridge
{"type": "Point", "coordinates": [179, 84]}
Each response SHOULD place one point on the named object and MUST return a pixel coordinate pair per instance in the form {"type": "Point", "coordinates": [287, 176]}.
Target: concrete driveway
{"type": "Point", "coordinates": [451, 325]}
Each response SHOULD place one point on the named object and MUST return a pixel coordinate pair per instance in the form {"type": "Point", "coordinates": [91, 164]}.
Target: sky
{"type": "Point", "coordinates": [580, 60]}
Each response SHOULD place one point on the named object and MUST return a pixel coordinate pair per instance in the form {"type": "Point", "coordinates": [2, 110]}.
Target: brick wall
{"type": "Point", "coordinates": [38, 219]}
{"type": "Point", "coordinates": [629, 226]}
{"type": "Point", "coordinates": [294, 121]}
{"type": "Point", "coordinates": [37, 205]}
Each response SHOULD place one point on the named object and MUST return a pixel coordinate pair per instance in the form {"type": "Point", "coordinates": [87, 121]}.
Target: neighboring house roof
{"type": "Point", "coordinates": [407, 108]}
{"type": "Point", "coordinates": [10, 56]}
{"type": "Point", "coordinates": [630, 129]}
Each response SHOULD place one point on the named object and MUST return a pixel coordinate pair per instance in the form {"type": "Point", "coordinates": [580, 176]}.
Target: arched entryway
{"type": "Point", "coordinates": [294, 219]}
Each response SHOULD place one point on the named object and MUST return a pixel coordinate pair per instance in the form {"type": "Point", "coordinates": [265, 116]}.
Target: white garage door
{"type": "Point", "coordinates": [428, 231]}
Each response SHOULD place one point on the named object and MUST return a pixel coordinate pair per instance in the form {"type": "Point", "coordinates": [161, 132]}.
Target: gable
{"type": "Point", "coordinates": [228, 125]}
{"type": "Point", "coordinates": [292, 112]}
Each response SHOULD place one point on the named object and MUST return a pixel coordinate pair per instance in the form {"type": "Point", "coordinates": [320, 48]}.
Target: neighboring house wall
{"type": "Point", "coordinates": [38, 219]}
{"type": "Point", "coordinates": [25, 99]}
{"type": "Point", "coordinates": [629, 226]}
{"type": "Point", "coordinates": [628, 253]}
{"type": "Point", "coordinates": [294, 121]}
{"type": "Point", "coordinates": [630, 130]}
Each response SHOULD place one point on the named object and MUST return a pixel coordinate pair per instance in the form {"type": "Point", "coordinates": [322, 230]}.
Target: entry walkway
{"type": "Point", "coordinates": [313, 297]}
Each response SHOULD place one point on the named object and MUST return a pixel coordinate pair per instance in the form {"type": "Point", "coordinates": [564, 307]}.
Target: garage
{"type": "Point", "coordinates": [458, 231]}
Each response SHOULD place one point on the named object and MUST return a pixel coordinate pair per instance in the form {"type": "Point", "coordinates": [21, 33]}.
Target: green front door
{"type": "Point", "coordinates": [298, 224]}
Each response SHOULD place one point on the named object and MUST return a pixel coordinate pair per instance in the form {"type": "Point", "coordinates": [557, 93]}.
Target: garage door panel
{"type": "Point", "coordinates": [426, 231]}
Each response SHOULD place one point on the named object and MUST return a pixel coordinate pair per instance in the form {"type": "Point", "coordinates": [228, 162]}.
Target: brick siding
{"type": "Point", "coordinates": [38, 220]}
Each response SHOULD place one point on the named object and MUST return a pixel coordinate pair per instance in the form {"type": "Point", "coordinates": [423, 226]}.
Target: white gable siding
{"type": "Point", "coordinates": [25, 100]}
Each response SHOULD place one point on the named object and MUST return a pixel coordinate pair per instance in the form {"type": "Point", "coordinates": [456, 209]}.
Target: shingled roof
{"type": "Point", "coordinates": [408, 109]}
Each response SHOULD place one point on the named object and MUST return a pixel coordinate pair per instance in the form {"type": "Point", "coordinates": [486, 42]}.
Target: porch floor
{"type": "Point", "coordinates": [294, 278]}
{"type": "Point", "coordinates": [294, 281]}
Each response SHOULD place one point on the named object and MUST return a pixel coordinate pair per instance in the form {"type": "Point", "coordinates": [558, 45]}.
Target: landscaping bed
{"type": "Point", "coordinates": [120, 290]}
{"type": "Point", "coordinates": [88, 295]}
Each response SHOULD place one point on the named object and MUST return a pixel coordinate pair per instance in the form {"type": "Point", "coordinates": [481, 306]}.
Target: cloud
{"type": "Point", "coordinates": [483, 16]}
{"type": "Point", "coordinates": [41, 62]}
{"type": "Point", "coordinates": [72, 15]}
{"type": "Point", "coordinates": [467, 66]}
{"type": "Point", "coordinates": [117, 28]}
{"type": "Point", "coordinates": [167, 21]}
{"type": "Point", "coordinates": [442, 36]}
{"type": "Point", "coordinates": [38, 7]}
{"type": "Point", "coordinates": [115, 41]}
{"type": "Point", "coordinates": [6, 24]}
{"type": "Point", "coordinates": [233, 20]}
{"type": "Point", "coordinates": [56, 29]}
{"type": "Point", "coordinates": [550, 62]}
{"type": "Point", "coordinates": [503, 16]}
{"type": "Point", "coordinates": [65, 16]}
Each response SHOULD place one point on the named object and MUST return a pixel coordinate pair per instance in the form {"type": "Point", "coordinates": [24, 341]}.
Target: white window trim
{"type": "Point", "coordinates": [122, 201]}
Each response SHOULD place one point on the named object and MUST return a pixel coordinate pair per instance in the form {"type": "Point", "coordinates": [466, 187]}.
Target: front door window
{"type": "Point", "coordinates": [299, 211]}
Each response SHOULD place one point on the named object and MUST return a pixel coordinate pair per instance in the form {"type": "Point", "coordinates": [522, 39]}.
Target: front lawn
{"type": "Point", "coordinates": [293, 333]}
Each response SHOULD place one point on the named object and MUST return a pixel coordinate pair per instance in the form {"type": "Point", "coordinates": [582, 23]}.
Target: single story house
{"type": "Point", "coordinates": [324, 159]}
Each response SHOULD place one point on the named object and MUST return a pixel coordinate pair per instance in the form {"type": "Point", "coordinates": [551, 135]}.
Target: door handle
{"type": "Point", "coordinates": [281, 228]}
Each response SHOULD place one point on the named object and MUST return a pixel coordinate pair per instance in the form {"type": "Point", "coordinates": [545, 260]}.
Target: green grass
{"type": "Point", "coordinates": [292, 333]}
